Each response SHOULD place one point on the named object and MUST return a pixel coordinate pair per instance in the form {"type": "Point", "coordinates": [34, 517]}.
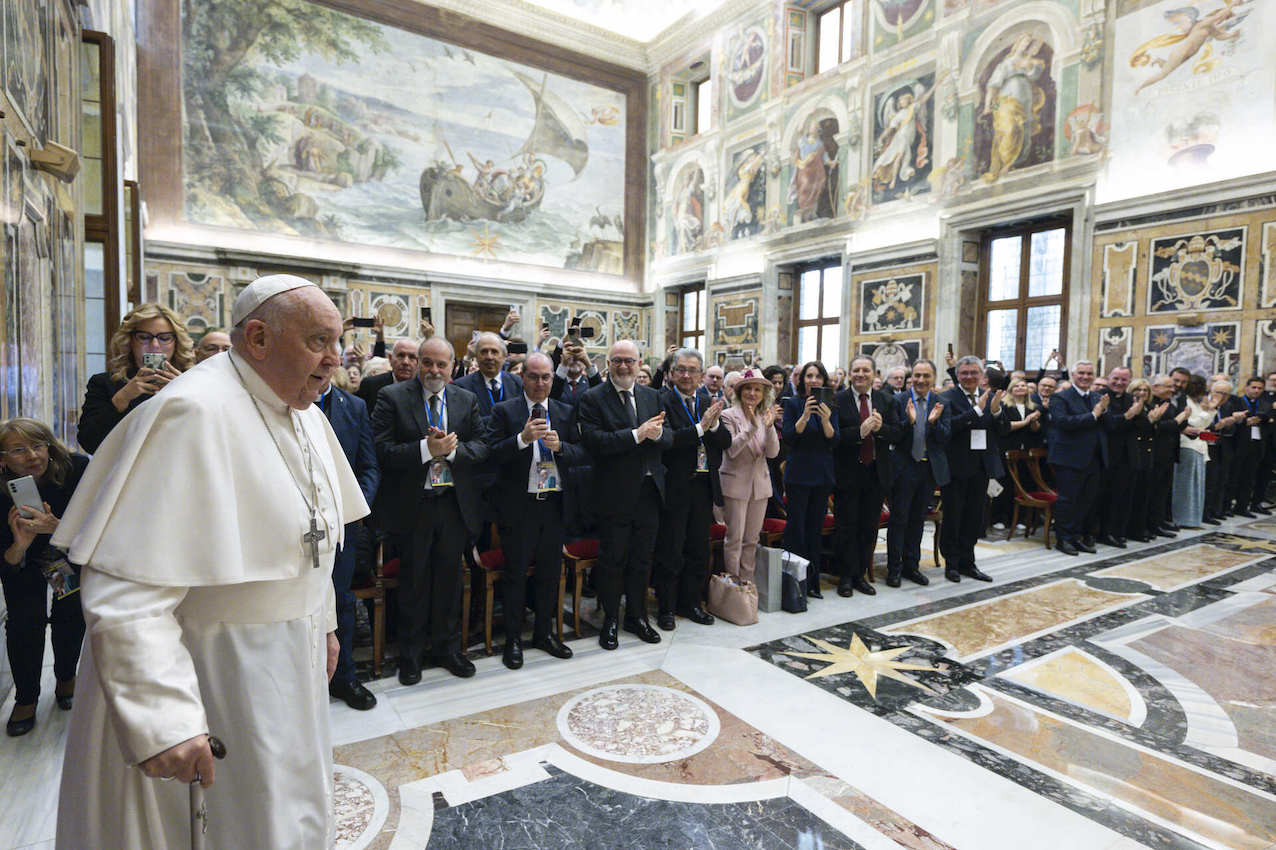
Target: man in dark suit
{"type": "Point", "coordinates": [535, 444]}
{"type": "Point", "coordinates": [1168, 417]}
{"type": "Point", "coordinates": [862, 467]}
{"type": "Point", "coordinates": [575, 373]}
{"type": "Point", "coordinates": [1249, 446]}
{"type": "Point", "coordinates": [490, 384]}
{"type": "Point", "coordinates": [691, 489]}
{"type": "Point", "coordinates": [712, 389]}
{"type": "Point", "coordinates": [402, 368]}
{"type": "Point", "coordinates": [974, 456]}
{"type": "Point", "coordinates": [429, 440]}
{"type": "Point", "coordinates": [1077, 450]}
{"type": "Point", "coordinates": [622, 426]}
{"type": "Point", "coordinates": [349, 419]}
{"type": "Point", "coordinates": [921, 464]}
{"type": "Point", "coordinates": [1112, 515]}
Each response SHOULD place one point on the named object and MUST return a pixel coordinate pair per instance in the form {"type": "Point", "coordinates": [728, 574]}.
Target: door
{"type": "Point", "coordinates": [463, 319]}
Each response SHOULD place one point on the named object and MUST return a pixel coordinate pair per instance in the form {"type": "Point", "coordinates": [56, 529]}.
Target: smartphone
{"type": "Point", "coordinates": [950, 348]}
{"type": "Point", "coordinates": [427, 314]}
{"type": "Point", "coordinates": [517, 348]}
{"type": "Point", "coordinates": [360, 322]}
{"type": "Point", "coordinates": [824, 395]}
{"type": "Point", "coordinates": [154, 360]}
{"type": "Point", "coordinates": [25, 495]}
{"type": "Point", "coordinates": [544, 326]}
{"type": "Point", "coordinates": [584, 333]}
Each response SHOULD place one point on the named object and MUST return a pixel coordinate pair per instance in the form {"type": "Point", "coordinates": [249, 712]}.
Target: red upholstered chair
{"type": "Point", "coordinates": [1033, 501]}
{"type": "Point", "coordinates": [492, 566]}
{"type": "Point", "coordinates": [936, 515]}
{"type": "Point", "coordinates": [579, 556]}
{"type": "Point", "coordinates": [772, 531]}
{"type": "Point", "coordinates": [385, 577]}
{"type": "Point", "coordinates": [717, 559]}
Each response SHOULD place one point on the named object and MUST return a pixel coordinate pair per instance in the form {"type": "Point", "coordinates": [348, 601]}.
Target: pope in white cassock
{"type": "Point", "coordinates": [206, 525]}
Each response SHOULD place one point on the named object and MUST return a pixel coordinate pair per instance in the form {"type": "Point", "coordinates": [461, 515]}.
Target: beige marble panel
{"type": "Point", "coordinates": [1230, 815]}
{"type": "Point", "coordinates": [1077, 677]}
{"type": "Point", "coordinates": [995, 622]}
{"type": "Point", "coordinates": [1180, 567]}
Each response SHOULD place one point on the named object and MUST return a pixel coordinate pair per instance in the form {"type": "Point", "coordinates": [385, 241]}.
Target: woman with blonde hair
{"type": "Point", "coordinates": [746, 480]}
{"type": "Point", "coordinates": [28, 447]}
{"type": "Point", "coordinates": [150, 348]}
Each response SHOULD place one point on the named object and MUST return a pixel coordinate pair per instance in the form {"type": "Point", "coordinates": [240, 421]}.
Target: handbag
{"type": "Point", "coordinates": [793, 582]}
{"type": "Point", "coordinates": [733, 600]}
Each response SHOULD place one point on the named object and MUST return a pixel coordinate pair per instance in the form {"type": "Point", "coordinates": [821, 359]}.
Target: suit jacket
{"type": "Point", "coordinates": [1075, 436]}
{"type": "Point", "coordinates": [370, 386]}
{"type": "Point", "coordinates": [559, 389]}
{"type": "Point", "coordinates": [349, 419]}
{"type": "Point", "coordinates": [1024, 438]}
{"type": "Point", "coordinates": [1143, 454]}
{"type": "Point", "coordinates": [1165, 434]}
{"type": "Point", "coordinates": [680, 459]}
{"type": "Point", "coordinates": [963, 461]}
{"type": "Point", "coordinates": [399, 424]}
{"type": "Point", "coordinates": [1242, 441]}
{"type": "Point", "coordinates": [810, 460]}
{"type": "Point", "coordinates": [514, 464]}
{"type": "Point", "coordinates": [511, 386]}
{"type": "Point", "coordinates": [847, 468]}
{"type": "Point", "coordinates": [620, 464]}
{"type": "Point", "coordinates": [938, 434]}
{"type": "Point", "coordinates": [705, 399]}
{"type": "Point", "coordinates": [98, 415]}
{"type": "Point", "coordinates": [744, 471]}
{"type": "Point", "coordinates": [1121, 436]}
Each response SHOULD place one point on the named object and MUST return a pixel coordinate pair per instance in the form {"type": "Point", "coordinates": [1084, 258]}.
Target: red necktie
{"type": "Point", "coordinates": [866, 447]}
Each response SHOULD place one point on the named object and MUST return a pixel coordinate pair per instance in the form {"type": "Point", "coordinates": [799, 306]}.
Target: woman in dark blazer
{"type": "Point", "coordinates": [1141, 459]}
{"type": "Point", "coordinates": [810, 431]}
{"type": "Point", "coordinates": [127, 382]}
{"type": "Point", "coordinates": [28, 447]}
{"type": "Point", "coordinates": [1022, 421]}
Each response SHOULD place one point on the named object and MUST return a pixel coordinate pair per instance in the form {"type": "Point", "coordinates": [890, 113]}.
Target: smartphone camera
{"type": "Point", "coordinates": [154, 360]}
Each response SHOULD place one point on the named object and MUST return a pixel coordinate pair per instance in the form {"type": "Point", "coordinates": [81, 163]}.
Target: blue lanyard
{"type": "Point", "coordinates": [495, 398]}
{"type": "Point", "coordinates": [442, 412]}
{"type": "Point", "coordinates": [546, 454]}
{"type": "Point", "coordinates": [694, 419]}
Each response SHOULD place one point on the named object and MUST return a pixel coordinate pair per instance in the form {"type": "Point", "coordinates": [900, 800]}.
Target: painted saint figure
{"type": "Point", "coordinates": [813, 188]}
{"type": "Point", "coordinates": [688, 212]}
{"type": "Point", "coordinates": [1014, 99]}
{"type": "Point", "coordinates": [742, 218]}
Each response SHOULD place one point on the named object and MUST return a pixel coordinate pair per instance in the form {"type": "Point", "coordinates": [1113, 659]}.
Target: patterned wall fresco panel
{"type": "Point", "coordinates": [903, 138]}
{"type": "Point", "coordinates": [198, 298]}
{"type": "Point", "coordinates": [892, 304]}
{"type": "Point", "coordinates": [1204, 349]}
{"type": "Point", "coordinates": [734, 356]}
{"type": "Point", "coordinates": [33, 309]}
{"type": "Point", "coordinates": [1202, 271]}
{"type": "Point", "coordinates": [627, 324]}
{"type": "Point", "coordinates": [1267, 290]}
{"type": "Point", "coordinates": [893, 21]}
{"type": "Point", "coordinates": [596, 319]}
{"type": "Point", "coordinates": [888, 355]}
{"type": "Point", "coordinates": [557, 318]}
{"type": "Point", "coordinates": [1265, 347]}
{"type": "Point", "coordinates": [1120, 267]}
{"type": "Point", "coordinates": [815, 171]}
{"type": "Point", "coordinates": [686, 219]}
{"type": "Point", "coordinates": [735, 321]}
{"type": "Point", "coordinates": [26, 28]}
{"type": "Point", "coordinates": [744, 204]}
{"type": "Point", "coordinates": [746, 72]}
{"type": "Point", "coordinates": [1114, 348]}
{"type": "Point", "coordinates": [1015, 118]}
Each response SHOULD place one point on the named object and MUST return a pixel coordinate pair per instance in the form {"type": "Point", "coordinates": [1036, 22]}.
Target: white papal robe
{"type": "Point", "coordinates": [205, 614]}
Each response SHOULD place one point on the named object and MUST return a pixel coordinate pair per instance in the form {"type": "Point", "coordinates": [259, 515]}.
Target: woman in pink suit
{"type": "Point", "coordinates": [746, 480]}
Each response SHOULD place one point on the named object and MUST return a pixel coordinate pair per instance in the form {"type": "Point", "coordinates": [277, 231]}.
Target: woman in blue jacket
{"type": "Point", "coordinates": [810, 431]}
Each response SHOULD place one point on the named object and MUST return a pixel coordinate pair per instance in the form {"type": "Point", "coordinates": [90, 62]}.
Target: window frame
{"type": "Point", "coordinates": [816, 16]}
{"type": "Point", "coordinates": [821, 321]}
{"type": "Point", "coordinates": [1023, 301]}
{"type": "Point", "coordinates": [698, 335]}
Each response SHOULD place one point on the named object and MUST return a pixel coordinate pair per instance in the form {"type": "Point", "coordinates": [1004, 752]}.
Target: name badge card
{"type": "Point", "coordinates": [547, 480]}
{"type": "Point", "coordinates": [440, 474]}
{"type": "Point", "coordinates": [1255, 432]}
{"type": "Point", "coordinates": [702, 459]}
{"type": "Point", "coordinates": [978, 440]}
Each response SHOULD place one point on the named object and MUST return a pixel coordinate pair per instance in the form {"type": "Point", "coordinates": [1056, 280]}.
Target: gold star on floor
{"type": "Point", "coordinates": [867, 666]}
{"type": "Point", "coordinates": [1247, 543]}
{"type": "Point", "coordinates": [486, 243]}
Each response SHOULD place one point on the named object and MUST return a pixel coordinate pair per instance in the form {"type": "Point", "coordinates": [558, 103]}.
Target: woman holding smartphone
{"type": "Point", "coordinates": [810, 431]}
{"type": "Point", "coordinates": [29, 448]}
{"type": "Point", "coordinates": [150, 348]}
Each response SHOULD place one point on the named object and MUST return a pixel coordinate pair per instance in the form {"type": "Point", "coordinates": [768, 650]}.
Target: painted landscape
{"type": "Point", "coordinates": [304, 121]}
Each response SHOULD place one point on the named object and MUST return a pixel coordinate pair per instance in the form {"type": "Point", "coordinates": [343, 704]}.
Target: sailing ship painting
{"type": "Point", "coordinates": [402, 141]}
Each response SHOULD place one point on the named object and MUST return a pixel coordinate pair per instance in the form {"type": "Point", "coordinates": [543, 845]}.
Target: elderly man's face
{"type": "Point", "coordinates": [1046, 387]}
{"type": "Point", "coordinates": [1083, 376]}
{"type": "Point", "coordinates": [434, 365]}
{"type": "Point", "coordinates": [490, 355]}
{"type": "Point", "coordinates": [896, 378]}
{"type": "Point", "coordinates": [1271, 383]}
{"type": "Point", "coordinates": [1163, 389]}
{"type": "Point", "coordinates": [298, 358]}
{"type": "Point", "coordinates": [1118, 380]}
{"type": "Point", "coordinates": [713, 378]}
{"type": "Point", "coordinates": [968, 375]}
{"type": "Point", "coordinates": [686, 375]}
{"type": "Point", "coordinates": [861, 375]}
{"type": "Point", "coordinates": [213, 343]}
{"type": "Point", "coordinates": [622, 362]}
{"type": "Point", "coordinates": [403, 360]}
{"type": "Point", "coordinates": [538, 377]}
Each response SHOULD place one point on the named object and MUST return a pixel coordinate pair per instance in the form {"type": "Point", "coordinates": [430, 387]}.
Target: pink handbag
{"type": "Point", "coordinates": [733, 600]}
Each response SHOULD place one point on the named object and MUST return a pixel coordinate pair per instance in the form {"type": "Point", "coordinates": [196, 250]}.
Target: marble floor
{"type": "Point", "coordinates": [1119, 700]}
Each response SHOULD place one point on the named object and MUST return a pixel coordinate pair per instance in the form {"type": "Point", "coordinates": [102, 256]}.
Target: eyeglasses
{"type": "Point", "coordinates": [686, 370]}
{"type": "Point", "coordinates": [623, 361]}
{"type": "Point", "coordinates": [164, 337]}
{"type": "Point", "coordinates": [24, 451]}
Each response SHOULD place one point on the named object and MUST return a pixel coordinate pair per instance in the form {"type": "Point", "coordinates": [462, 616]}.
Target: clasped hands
{"type": "Point", "coordinates": [652, 428]}
{"type": "Point", "coordinates": [709, 419]}
{"type": "Point", "coordinates": [538, 429]}
{"type": "Point", "coordinates": [870, 425]}
{"type": "Point", "coordinates": [935, 412]}
{"type": "Point", "coordinates": [440, 444]}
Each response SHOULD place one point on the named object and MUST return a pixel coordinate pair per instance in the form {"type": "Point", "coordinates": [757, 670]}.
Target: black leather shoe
{"type": "Point", "coordinates": [64, 693]}
{"type": "Point", "coordinates": [457, 664]}
{"type": "Point", "coordinates": [976, 573]}
{"type": "Point", "coordinates": [1172, 526]}
{"type": "Point", "coordinates": [17, 728]}
{"type": "Point", "coordinates": [666, 621]}
{"type": "Point", "coordinates": [916, 575]}
{"type": "Point", "coordinates": [952, 574]}
{"type": "Point", "coordinates": [1066, 547]}
{"type": "Point", "coordinates": [697, 615]}
{"type": "Point", "coordinates": [1108, 540]}
{"type": "Point", "coordinates": [1140, 538]}
{"type": "Point", "coordinates": [552, 645]}
{"type": "Point", "coordinates": [643, 630]}
{"type": "Point", "coordinates": [1246, 514]}
{"type": "Point", "coordinates": [607, 638]}
{"type": "Point", "coordinates": [409, 671]}
{"type": "Point", "coordinates": [1165, 532]}
{"type": "Point", "coordinates": [513, 654]}
{"type": "Point", "coordinates": [1088, 540]}
{"type": "Point", "coordinates": [844, 588]}
{"type": "Point", "coordinates": [864, 587]}
{"type": "Point", "coordinates": [1209, 520]}
{"type": "Point", "coordinates": [1259, 509]}
{"type": "Point", "coordinates": [892, 579]}
{"type": "Point", "coordinates": [353, 694]}
{"type": "Point", "coordinates": [1085, 546]}
{"type": "Point", "coordinates": [813, 588]}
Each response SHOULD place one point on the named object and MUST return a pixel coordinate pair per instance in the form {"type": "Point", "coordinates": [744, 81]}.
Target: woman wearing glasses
{"type": "Point", "coordinates": [151, 329]}
{"type": "Point", "coordinates": [28, 447]}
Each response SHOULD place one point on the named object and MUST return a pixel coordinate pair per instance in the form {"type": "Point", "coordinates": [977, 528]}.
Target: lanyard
{"type": "Point", "coordinates": [546, 454]}
{"type": "Point", "coordinates": [500, 396]}
{"type": "Point", "coordinates": [1252, 404]}
{"type": "Point", "coordinates": [442, 412]}
{"type": "Point", "coordinates": [694, 419]}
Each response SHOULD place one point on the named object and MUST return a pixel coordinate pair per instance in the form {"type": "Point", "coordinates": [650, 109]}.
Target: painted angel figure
{"type": "Point", "coordinates": [740, 213]}
{"type": "Point", "coordinates": [903, 146]}
{"type": "Point", "coordinates": [1194, 34]}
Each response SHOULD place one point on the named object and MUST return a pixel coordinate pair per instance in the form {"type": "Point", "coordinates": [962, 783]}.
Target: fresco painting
{"type": "Point", "coordinates": [338, 128]}
{"type": "Point", "coordinates": [744, 207]}
{"type": "Point", "coordinates": [903, 139]}
{"type": "Point", "coordinates": [688, 211]}
{"type": "Point", "coordinates": [816, 171]}
{"type": "Point", "coordinates": [1014, 127]}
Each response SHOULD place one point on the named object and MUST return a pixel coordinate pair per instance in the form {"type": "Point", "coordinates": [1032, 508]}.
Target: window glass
{"type": "Point", "coordinates": [1002, 328]}
{"type": "Point", "coordinates": [832, 300]}
{"type": "Point", "coordinates": [1045, 263]}
{"type": "Point", "coordinates": [829, 39]}
{"type": "Point", "coordinates": [689, 311]}
{"type": "Point", "coordinates": [704, 106]}
{"type": "Point", "coordinates": [1003, 268]}
{"type": "Point", "coordinates": [830, 347]}
{"type": "Point", "coordinates": [808, 344]}
{"type": "Point", "coordinates": [810, 305]}
{"type": "Point", "coordinates": [1043, 334]}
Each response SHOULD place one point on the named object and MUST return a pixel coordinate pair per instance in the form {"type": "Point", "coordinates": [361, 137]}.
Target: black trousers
{"type": "Point", "coordinates": [1139, 488]}
{"type": "Point", "coordinates": [1262, 478]}
{"type": "Point", "coordinates": [682, 553]}
{"type": "Point", "coordinates": [430, 578]}
{"type": "Point", "coordinates": [1113, 515]}
{"type": "Point", "coordinates": [910, 496]}
{"type": "Point", "coordinates": [26, 595]}
{"type": "Point", "coordinates": [1078, 489]}
{"type": "Point", "coordinates": [963, 520]}
{"type": "Point", "coordinates": [626, 543]}
{"type": "Point", "coordinates": [1244, 474]}
{"type": "Point", "coordinates": [1160, 490]}
{"type": "Point", "coordinates": [1216, 474]}
{"type": "Point", "coordinates": [857, 511]}
{"type": "Point", "coordinates": [807, 506]}
{"type": "Point", "coordinates": [536, 538]}
{"type": "Point", "coordinates": [342, 577]}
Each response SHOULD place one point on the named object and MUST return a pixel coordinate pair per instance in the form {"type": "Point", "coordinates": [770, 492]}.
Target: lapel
{"type": "Point", "coordinates": [619, 414]}
{"type": "Point", "coordinates": [454, 398]}
{"type": "Point", "coordinates": [679, 410]}
{"type": "Point", "coordinates": [417, 396]}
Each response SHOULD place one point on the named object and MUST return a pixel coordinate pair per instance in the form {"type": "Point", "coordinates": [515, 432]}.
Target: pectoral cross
{"type": "Point", "coordinates": [313, 536]}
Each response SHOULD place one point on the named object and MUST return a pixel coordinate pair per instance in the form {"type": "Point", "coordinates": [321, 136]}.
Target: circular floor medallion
{"type": "Point", "coordinates": [638, 724]}
{"type": "Point", "coordinates": [360, 806]}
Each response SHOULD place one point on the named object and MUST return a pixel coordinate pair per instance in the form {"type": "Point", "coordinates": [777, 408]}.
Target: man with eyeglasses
{"type": "Point", "coordinates": [692, 487]}
{"type": "Point", "coordinates": [622, 425]}
{"type": "Point", "coordinates": [535, 447]}
{"type": "Point", "coordinates": [214, 341]}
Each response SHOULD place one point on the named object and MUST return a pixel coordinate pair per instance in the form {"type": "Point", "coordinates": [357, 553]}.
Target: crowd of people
{"type": "Point", "coordinates": [511, 453]}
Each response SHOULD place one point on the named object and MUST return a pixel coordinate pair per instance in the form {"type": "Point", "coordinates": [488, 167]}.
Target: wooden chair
{"type": "Point", "coordinates": [1031, 500]}
{"type": "Point", "coordinates": [385, 577]}
{"type": "Point", "coordinates": [936, 515]}
{"type": "Point", "coordinates": [579, 556]}
{"type": "Point", "coordinates": [772, 531]}
{"type": "Point", "coordinates": [717, 557]}
{"type": "Point", "coordinates": [1035, 458]}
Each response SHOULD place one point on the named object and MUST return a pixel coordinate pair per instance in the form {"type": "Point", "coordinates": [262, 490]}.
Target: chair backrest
{"type": "Point", "coordinates": [1035, 457]}
{"type": "Point", "coordinates": [1014, 457]}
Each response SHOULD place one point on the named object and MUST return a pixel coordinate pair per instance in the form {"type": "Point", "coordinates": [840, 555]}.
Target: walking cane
{"type": "Point", "coordinates": [199, 811]}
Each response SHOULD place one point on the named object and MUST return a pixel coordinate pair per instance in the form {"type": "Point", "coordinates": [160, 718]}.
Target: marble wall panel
{"type": "Point", "coordinates": [1203, 349]}
{"type": "Point", "coordinates": [1120, 265]}
{"type": "Point", "coordinates": [1199, 271]}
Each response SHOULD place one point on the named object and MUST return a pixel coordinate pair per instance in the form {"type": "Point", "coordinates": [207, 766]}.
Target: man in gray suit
{"type": "Point", "coordinates": [921, 464]}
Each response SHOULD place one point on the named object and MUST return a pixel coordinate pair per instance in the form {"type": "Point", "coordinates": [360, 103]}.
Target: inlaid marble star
{"type": "Point", "coordinates": [1248, 543]}
{"type": "Point", "coordinates": [865, 665]}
